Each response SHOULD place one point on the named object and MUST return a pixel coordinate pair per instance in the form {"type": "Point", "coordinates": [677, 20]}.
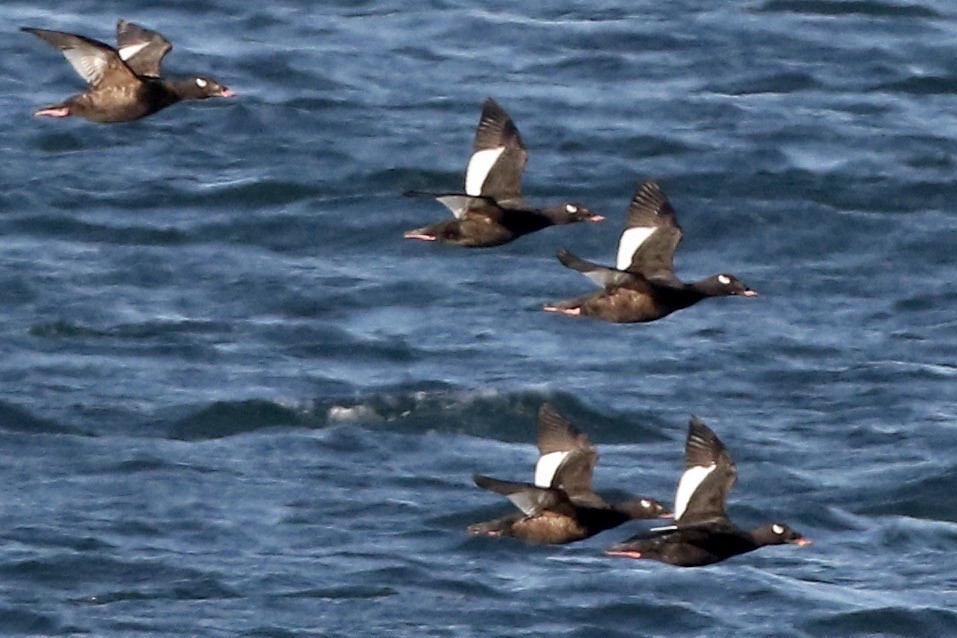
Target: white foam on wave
{"type": "Point", "coordinates": [343, 414]}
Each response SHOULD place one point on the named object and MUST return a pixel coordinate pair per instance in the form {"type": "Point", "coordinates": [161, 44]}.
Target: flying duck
{"type": "Point", "coordinates": [642, 286]}
{"type": "Point", "coordinates": [492, 211]}
{"type": "Point", "coordinates": [560, 506]}
{"type": "Point", "coordinates": [125, 82]}
{"type": "Point", "coordinates": [702, 533]}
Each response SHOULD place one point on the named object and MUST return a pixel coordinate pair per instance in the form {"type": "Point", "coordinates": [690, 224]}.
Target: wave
{"type": "Point", "coordinates": [920, 85]}
{"type": "Point", "coordinates": [19, 622]}
{"type": "Point", "coordinates": [436, 407]}
{"type": "Point", "coordinates": [849, 7]}
{"type": "Point", "coordinates": [898, 621]}
{"type": "Point", "coordinates": [17, 419]}
{"type": "Point", "coordinates": [78, 230]}
{"type": "Point", "coordinates": [141, 330]}
{"type": "Point", "coordinates": [929, 498]}
{"type": "Point", "coordinates": [782, 83]}
{"type": "Point", "coordinates": [223, 419]}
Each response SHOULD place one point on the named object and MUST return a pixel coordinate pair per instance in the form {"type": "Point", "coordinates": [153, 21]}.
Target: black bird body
{"type": "Point", "coordinates": [558, 518]}
{"type": "Point", "coordinates": [702, 533]}
{"type": "Point", "coordinates": [125, 82]}
{"type": "Point", "coordinates": [560, 506]}
{"type": "Point", "coordinates": [643, 286]}
{"type": "Point", "coordinates": [485, 223]}
{"type": "Point", "coordinates": [697, 546]}
{"type": "Point", "coordinates": [491, 211]}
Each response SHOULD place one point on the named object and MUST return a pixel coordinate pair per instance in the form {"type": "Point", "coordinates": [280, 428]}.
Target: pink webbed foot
{"type": "Point", "coordinates": [53, 111]}
{"type": "Point", "coordinates": [628, 553]}
{"type": "Point", "coordinates": [574, 312]}
{"type": "Point", "coordinates": [416, 235]}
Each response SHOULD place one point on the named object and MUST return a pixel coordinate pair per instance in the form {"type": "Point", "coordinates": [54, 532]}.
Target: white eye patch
{"type": "Point", "coordinates": [645, 502]}
{"type": "Point", "coordinates": [201, 83]}
{"type": "Point", "coordinates": [724, 279]}
{"type": "Point", "coordinates": [571, 208]}
{"type": "Point", "coordinates": [777, 529]}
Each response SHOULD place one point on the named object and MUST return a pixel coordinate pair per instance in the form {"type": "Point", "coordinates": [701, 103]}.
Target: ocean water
{"type": "Point", "coordinates": [235, 402]}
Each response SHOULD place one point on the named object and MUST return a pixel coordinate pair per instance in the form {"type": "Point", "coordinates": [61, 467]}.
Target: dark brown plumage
{"type": "Point", "coordinates": [124, 83]}
{"type": "Point", "coordinates": [554, 517]}
{"type": "Point", "coordinates": [491, 211]}
{"type": "Point", "coordinates": [643, 286]}
{"type": "Point", "coordinates": [560, 506]}
{"type": "Point", "coordinates": [702, 533]}
{"type": "Point", "coordinates": [481, 222]}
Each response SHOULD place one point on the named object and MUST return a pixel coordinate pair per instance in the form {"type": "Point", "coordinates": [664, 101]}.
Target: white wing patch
{"type": "Point", "coordinates": [690, 480]}
{"type": "Point", "coordinates": [479, 166]}
{"type": "Point", "coordinates": [546, 467]}
{"type": "Point", "coordinates": [630, 240]}
{"type": "Point", "coordinates": [128, 52]}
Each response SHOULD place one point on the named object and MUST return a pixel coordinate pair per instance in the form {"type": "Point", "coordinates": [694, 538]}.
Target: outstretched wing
{"type": "Point", "coordinates": [651, 234]}
{"type": "Point", "coordinates": [142, 49]}
{"type": "Point", "coordinates": [567, 458]}
{"type": "Point", "coordinates": [95, 62]}
{"type": "Point", "coordinates": [498, 156]}
{"type": "Point", "coordinates": [707, 479]}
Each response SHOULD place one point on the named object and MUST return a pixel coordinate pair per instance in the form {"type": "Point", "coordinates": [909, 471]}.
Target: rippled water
{"type": "Point", "coordinates": [236, 403]}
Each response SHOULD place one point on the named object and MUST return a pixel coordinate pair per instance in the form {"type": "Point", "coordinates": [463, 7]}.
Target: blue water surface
{"type": "Point", "coordinates": [235, 402]}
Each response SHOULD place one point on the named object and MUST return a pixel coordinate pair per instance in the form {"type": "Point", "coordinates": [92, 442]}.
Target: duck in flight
{"type": "Point", "coordinates": [492, 211]}
{"type": "Point", "coordinates": [643, 286]}
{"type": "Point", "coordinates": [702, 533]}
{"type": "Point", "coordinates": [125, 82]}
{"type": "Point", "coordinates": [560, 506]}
